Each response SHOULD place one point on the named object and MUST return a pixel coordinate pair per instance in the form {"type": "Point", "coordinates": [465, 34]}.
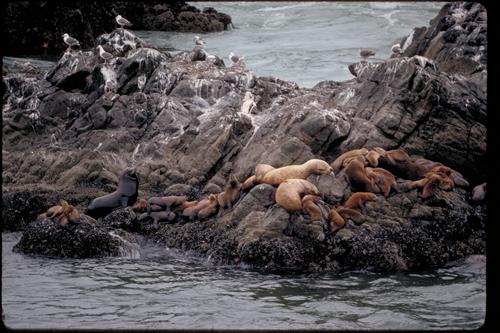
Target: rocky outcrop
{"type": "Point", "coordinates": [186, 122]}
{"type": "Point", "coordinates": [82, 240]}
{"type": "Point", "coordinates": [456, 40]}
{"type": "Point", "coordinates": [36, 27]}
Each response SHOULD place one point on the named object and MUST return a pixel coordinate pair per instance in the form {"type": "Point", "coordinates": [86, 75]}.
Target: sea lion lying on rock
{"type": "Point", "coordinates": [356, 176]}
{"type": "Point", "coordinates": [125, 195]}
{"type": "Point", "coordinates": [267, 174]}
{"type": "Point", "coordinates": [63, 213]}
{"type": "Point", "coordinates": [140, 206]}
{"type": "Point", "coordinates": [431, 183]}
{"type": "Point", "coordinates": [309, 204]}
{"type": "Point", "coordinates": [168, 201]}
{"type": "Point", "coordinates": [290, 192]}
{"type": "Point", "coordinates": [384, 179]}
{"type": "Point", "coordinates": [230, 194]}
{"type": "Point", "coordinates": [338, 164]}
{"type": "Point", "coordinates": [205, 206]}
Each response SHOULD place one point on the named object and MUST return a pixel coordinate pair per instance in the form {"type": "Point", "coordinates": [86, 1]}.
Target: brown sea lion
{"type": "Point", "coordinates": [400, 164]}
{"type": "Point", "coordinates": [140, 206]}
{"type": "Point", "coordinates": [158, 216]}
{"type": "Point", "coordinates": [290, 192]}
{"type": "Point", "coordinates": [210, 209]}
{"type": "Point", "coordinates": [168, 201]}
{"type": "Point", "coordinates": [337, 222]}
{"type": "Point", "coordinates": [431, 183]}
{"type": "Point", "coordinates": [309, 204]}
{"type": "Point", "coordinates": [339, 161]}
{"type": "Point", "coordinates": [357, 200]}
{"type": "Point", "coordinates": [351, 214]}
{"type": "Point", "coordinates": [156, 208]}
{"type": "Point", "coordinates": [230, 194]}
{"type": "Point", "coordinates": [384, 179]}
{"type": "Point", "coordinates": [63, 213]}
{"type": "Point", "coordinates": [356, 176]}
{"type": "Point", "coordinates": [192, 212]}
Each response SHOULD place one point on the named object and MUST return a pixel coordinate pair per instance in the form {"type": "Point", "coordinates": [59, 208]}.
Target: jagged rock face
{"type": "Point", "coordinates": [185, 124]}
{"type": "Point", "coordinates": [406, 103]}
{"type": "Point", "coordinates": [456, 40]}
{"type": "Point", "coordinates": [45, 22]}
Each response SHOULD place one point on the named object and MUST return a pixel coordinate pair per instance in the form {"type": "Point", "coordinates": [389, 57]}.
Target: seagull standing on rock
{"type": "Point", "coordinates": [198, 41]}
{"type": "Point", "coordinates": [365, 53]}
{"type": "Point", "coordinates": [396, 50]}
{"type": "Point", "coordinates": [123, 22]}
{"type": "Point", "coordinates": [234, 58]}
{"type": "Point", "coordinates": [70, 41]}
{"type": "Point", "coordinates": [103, 54]}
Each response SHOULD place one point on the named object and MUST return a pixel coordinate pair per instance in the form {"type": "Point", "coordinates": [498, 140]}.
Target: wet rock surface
{"type": "Point", "coordinates": [186, 124]}
{"type": "Point", "coordinates": [42, 23]}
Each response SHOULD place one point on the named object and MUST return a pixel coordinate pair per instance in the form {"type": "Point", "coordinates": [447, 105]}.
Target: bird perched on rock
{"type": "Point", "coordinates": [70, 41]}
{"type": "Point", "coordinates": [103, 54]}
{"type": "Point", "coordinates": [234, 58]}
{"type": "Point", "coordinates": [365, 53]}
{"type": "Point", "coordinates": [122, 22]}
{"type": "Point", "coordinates": [198, 41]}
{"type": "Point", "coordinates": [396, 50]}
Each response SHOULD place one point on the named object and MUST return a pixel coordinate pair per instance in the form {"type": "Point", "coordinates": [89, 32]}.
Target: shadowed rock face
{"type": "Point", "coordinates": [42, 22]}
{"type": "Point", "coordinates": [185, 124]}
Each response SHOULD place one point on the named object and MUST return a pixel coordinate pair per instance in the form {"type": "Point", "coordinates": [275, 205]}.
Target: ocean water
{"type": "Point", "coordinates": [305, 42]}
{"type": "Point", "coordinates": [166, 289]}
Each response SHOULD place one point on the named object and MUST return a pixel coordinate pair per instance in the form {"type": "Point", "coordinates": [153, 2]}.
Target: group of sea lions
{"type": "Point", "coordinates": [368, 171]}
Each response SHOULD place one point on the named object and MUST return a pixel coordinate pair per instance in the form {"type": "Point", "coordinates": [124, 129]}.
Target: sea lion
{"type": "Point", "coordinates": [351, 214]}
{"type": "Point", "coordinates": [431, 183]}
{"type": "Point", "coordinates": [140, 206]}
{"type": "Point", "coordinates": [309, 204]}
{"type": "Point", "coordinates": [339, 161]}
{"type": "Point", "coordinates": [158, 216]}
{"type": "Point", "coordinates": [155, 208]}
{"type": "Point", "coordinates": [337, 222]}
{"type": "Point", "coordinates": [230, 194]}
{"type": "Point", "coordinates": [192, 211]}
{"type": "Point", "coordinates": [357, 200]}
{"type": "Point", "coordinates": [384, 179]}
{"type": "Point", "coordinates": [399, 163]}
{"type": "Point", "coordinates": [289, 193]}
{"type": "Point", "coordinates": [168, 201]}
{"type": "Point", "coordinates": [302, 171]}
{"type": "Point", "coordinates": [210, 209]}
{"type": "Point", "coordinates": [125, 195]}
{"type": "Point", "coordinates": [63, 213]}
{"type": "Point", "coordinates": [356, 176]}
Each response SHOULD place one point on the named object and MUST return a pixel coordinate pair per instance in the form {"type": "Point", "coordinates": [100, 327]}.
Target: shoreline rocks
{"type": "Point", "coordinates": [85, 21]}
{"type": "Point", "coordinates": [186, 124]}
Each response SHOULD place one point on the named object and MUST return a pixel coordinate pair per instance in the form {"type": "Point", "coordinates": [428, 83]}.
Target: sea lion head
{"type": "Point", "coordinates": [319, 167]}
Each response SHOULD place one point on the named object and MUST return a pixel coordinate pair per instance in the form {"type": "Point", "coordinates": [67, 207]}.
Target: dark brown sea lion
{"type": "Point", "coordinates": [125, 195]}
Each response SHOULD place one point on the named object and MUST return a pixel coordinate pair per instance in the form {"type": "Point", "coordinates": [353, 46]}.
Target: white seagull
{"type": "Point", "coordinates": [70, 41]}
{"type": "Point", "coordinates": [198, 41]}
{"type": "Point", "coordinates": [234, 58]}
{"type": "Point", "coordinates": [103, 54]}
{"type": "Point", "coordinates": [396, 48]}
{"type": "Point", "coordinates": [123, 22]}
